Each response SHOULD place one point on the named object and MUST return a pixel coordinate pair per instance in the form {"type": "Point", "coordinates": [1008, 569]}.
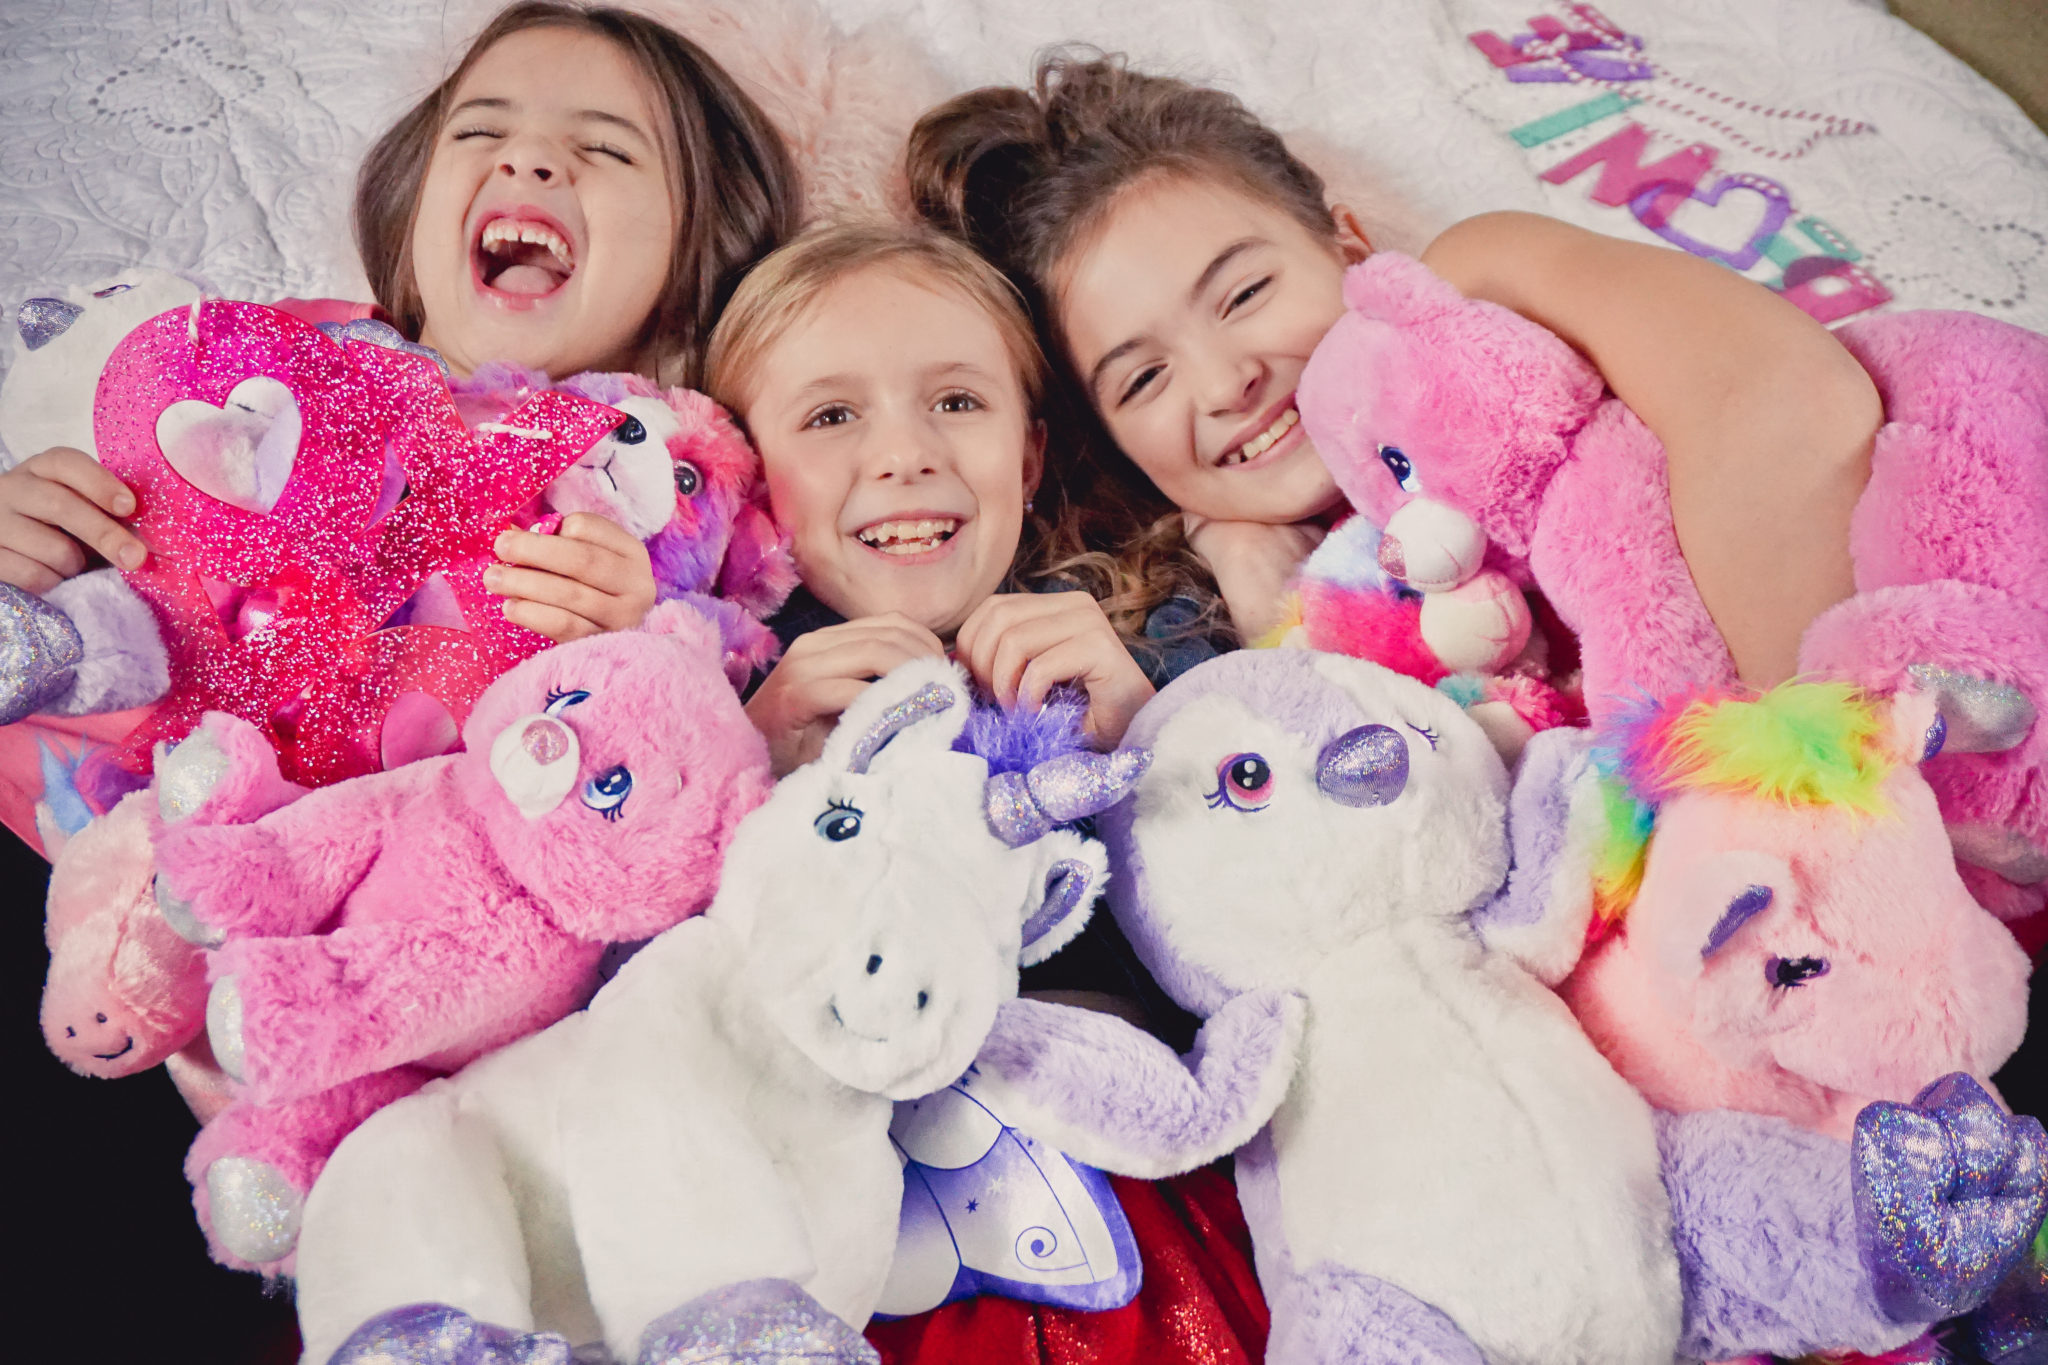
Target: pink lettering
{"type": "Point", "coordinates": [1624, 178]}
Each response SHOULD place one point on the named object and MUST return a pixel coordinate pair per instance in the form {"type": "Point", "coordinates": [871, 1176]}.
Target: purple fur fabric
{"type": "Point", "coordinates": [1335, 1314]}
{"type": "Point", "coordinates": [1017, 739]}
{"type": "Point", "coordinates": [1765, 1225]}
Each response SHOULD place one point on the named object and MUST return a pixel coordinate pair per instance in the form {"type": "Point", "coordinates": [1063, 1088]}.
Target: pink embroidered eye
{"type": "Point", "coordinates": [1244, 782]}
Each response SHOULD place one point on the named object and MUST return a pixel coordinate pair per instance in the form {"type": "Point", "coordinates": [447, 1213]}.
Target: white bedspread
{"type": "Point", "coordinates": [220, 137]}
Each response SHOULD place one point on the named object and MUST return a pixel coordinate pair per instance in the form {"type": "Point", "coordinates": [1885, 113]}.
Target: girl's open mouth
{"type": "Point", "coordinates": [522, 256]}
{"type": "Point", "coordinates": [1249, 452]}
{"type": "Point", "coordinates": [910, 536]}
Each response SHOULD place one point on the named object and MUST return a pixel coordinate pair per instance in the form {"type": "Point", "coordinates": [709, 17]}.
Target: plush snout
{"type": "Point", "coordinates": [1481, 624]}
{"type": "Point", "coordinates": [535, 761]}
{"type": "Point", "coordinates": [1431, 546]}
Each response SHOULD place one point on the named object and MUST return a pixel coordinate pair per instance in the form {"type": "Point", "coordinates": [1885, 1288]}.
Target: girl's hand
{"type": "Point", "coordinates": [821, 673]}
{"type": "Point", "coordinates": [1253, 563]}
{"type": "Point", "coordinates": [590, 576]}
{"type": "Point", "coordinates": [52, 507]}
{"type": "Point", "coordinates": [1021, 645]}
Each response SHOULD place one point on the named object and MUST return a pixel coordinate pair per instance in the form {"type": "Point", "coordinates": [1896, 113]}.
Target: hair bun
{"type": "Point", "coordinates": [969, 158]}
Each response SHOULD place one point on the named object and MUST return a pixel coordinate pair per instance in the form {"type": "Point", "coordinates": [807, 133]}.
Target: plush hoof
{"type": "Point", "coordinates": [224, 1026]}
{"type": "Point", "coordinates": [40, 650]}
{"type": "Point", "coordinates": [1950, 1192]}
{"type": "Point", "coordinates": [2004, 851]}
{"type": "Point", "coordinates": [1981, 716]}
{"type": "Point", "coordinates": [186, 774]}
{"type": "Point", "coordinates": [254, 1209]}
{"type": "Point", "coordinates": [435, 1334]}
{"type": "Point", "coordinates": [178, 914]}
{"type": "Point", "coordinates": [754, 1322]}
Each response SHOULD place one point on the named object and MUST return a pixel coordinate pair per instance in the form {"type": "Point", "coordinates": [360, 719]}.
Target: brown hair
{"type": "Point", "coordinates": [734, 184]}
{"type": "Point", "coordinates": [1025, 176]}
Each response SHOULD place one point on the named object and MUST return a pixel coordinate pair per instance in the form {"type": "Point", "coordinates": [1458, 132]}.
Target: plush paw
{"type": "Point", "coordinates": [435, 1334]}
{"type": "Point", "coordinates": [254, 1210]}
{"type": "Point", "coordinates": [177, 912]}
{"type": "Point", "coordinates": [1950, 1190]}
{"type": "Point", "coordinates": [754, 1322]}
{"type": "Point", "coordinates": [224, 1027]}
{"type": "Point", "coordinates": [1978, 716]}
{"type": "Point", "coordinates": [40, 650]}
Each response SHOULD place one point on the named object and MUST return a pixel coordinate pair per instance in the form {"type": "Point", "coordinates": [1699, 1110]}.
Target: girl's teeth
{"type": "Point", "coordinates": [909, 537]}
{"type": "Point", "coordinates": [1261, 443]}
{"type": "Point", "coordinates": [499, 231]}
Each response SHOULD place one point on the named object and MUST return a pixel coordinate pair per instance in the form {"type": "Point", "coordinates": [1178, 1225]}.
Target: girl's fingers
{"type": "Point", "coordinates": [68, 490]}
{"type": "Point", "coordinates": [552, 621]}
{"type": "Point", "coordinates": [549, 590]}
{"type": "Point", "coordinates": [45, 555]}
{"type": "Point", "coordinates": [595, 563]}
{"type": "Point", "coordinates": [862, 658]}
{"type": "Point", "coordinates": [84, 475]}
{"type": "Point", "coordinates": [591, 568]}
{"type": "Point", "coordinates": [30, 575]}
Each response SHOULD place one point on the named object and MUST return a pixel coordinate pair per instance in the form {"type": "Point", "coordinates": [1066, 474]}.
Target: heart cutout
{"type": "Point", "coordinates": [1655, 207]}
{"type": "Point", "coordinates": [241, 452]}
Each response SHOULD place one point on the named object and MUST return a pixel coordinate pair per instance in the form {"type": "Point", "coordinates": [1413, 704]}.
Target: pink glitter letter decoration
{"type": "Point", "coordinates": [255, 447]}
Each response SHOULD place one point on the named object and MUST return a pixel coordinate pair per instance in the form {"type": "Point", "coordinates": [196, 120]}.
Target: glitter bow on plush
{"type": "Point", "coordinates": [255, 446]}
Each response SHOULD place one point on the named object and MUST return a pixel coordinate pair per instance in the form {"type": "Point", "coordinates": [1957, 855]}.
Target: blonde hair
{"type": "Point", "coordinates": [777, 293]}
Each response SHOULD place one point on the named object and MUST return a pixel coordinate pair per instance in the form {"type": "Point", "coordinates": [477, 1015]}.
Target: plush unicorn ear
{"type": "Point", "coordinates": [1072, 873]}
{"type": "Point", "coordinates": [1917, 729]}
{"type": "Point", "coordinates": [919, 707]}
{"type": "Point", "coordinates": [688, 626]}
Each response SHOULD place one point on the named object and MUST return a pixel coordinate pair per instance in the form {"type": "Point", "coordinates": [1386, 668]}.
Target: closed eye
{"type": "Point", "coordinates": [606, 149]}
{"type": "Point", "coordinates": [1139, 383]}
{"type": "Point", "coordinates": [1246, 295]}
{"type": "Point", "coordinates": [467, 133]}
{"type": "Point", "coordinates": [1425, 732]}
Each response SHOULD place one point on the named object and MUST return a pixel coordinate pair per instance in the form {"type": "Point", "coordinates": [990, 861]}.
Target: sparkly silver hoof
{"type": "Point", "coordinates": [186, 774]}
{"type": "Point", "coordinates": [40, 650]}
{"type": "Point", "coordinates": [2004, 851]}
{"type": "Point", "coordinates": [224, 1026]}
{"type": "Point", "coordinates": [255, 1210]}
{"type": "Point", "coordinates": [1982, 716]}
{"type": "Point", "coordinates": [178, 914]}
{"type": "Point", "coordinates": [435, 1334]}
{"type": "Point", "coordinates": [754, 1322]}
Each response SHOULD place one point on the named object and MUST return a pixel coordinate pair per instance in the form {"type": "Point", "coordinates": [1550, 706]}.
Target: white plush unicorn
{"type": "Point", "coordinates": [720, 1113]}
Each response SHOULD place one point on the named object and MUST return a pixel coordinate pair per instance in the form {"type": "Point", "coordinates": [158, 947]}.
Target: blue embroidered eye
{"type": "Point", "coordinates": [607, 792]}
{"type": "Point", "coordinates": [688, 480]}
{"type": "Point", "coordinates": [111, 290]}
{"type": "Point", "coordinates": [1794, 971]}
{"type": "Point", "coordinates": [839, 822]}
{"type": "Point", "coordinates": [1243, 782]}
{"type": "Point", "coordinates": [1425, 732]}
{"type": "Point", "coordinates": [1401, 468]}
{"type": "Point", "coordinates": [558, 700]}
{"type": "Point", "coordinates": [630, 432]}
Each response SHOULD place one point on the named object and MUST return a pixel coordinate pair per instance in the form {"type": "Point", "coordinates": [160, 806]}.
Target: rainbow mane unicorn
{"type": "Point", "coordinates": [1778, 925]}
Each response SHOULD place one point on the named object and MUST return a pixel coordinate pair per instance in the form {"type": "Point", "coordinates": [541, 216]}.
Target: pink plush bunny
{"type": "Point", "coordinates": [1478, 440]}
{"type": "Point", "coordinates": [390, 928]}
{"type": "Point", "coordinates": [1787, 933]}
{"type": "Point", "coordinates": [125, 992]}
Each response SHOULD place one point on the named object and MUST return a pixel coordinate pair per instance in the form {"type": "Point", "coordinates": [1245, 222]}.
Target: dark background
{"type": "Point", "coordinates": [109, 1262]}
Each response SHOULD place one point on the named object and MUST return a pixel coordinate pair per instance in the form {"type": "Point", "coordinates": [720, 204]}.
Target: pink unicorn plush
{"type": "Point", "coordinates": [390, 928]}
{"type": "Point", "coordinates": [125, 992]}
{"type": "Point", "coordinates": [1785, 933]}
{"type": "Point", "coordinates": [1478, 440]}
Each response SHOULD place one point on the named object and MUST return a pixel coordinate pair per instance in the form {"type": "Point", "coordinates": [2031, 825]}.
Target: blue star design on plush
{"type": "Point", "coordinates": [973, 1204]}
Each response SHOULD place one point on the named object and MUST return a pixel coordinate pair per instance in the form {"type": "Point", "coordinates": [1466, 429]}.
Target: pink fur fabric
{"type": "Point", "coordinates": [124, 991]}
{"type": "Point", "coordinates": [393, 927]}
{"type": "Point", "coordinates": [1507, 453]}
{"type": "Point", "coordinates": [1898, 977]}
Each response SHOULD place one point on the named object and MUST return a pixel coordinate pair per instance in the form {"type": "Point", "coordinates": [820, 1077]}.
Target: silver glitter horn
{"type": "Point", "coordinates": [41, 321]}
{"type": "Point", "coordinates": [1022, 807]}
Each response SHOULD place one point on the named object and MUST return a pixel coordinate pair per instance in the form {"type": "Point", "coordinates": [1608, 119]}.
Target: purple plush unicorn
{"type": "Point", "coordinates": [1454, 1174]}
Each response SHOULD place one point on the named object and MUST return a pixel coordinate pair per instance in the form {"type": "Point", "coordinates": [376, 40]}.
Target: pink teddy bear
{"type": "Point", "coordinates": [391, 928]}
{"type": "Point", "coordinates": [1479, 441]}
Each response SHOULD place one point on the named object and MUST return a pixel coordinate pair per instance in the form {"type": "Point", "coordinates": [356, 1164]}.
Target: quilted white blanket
{"type": "Point", "coordinates": [1816, 145]}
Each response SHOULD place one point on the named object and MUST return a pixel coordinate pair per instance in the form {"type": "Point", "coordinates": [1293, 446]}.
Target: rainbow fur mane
{"type": "Point", "coordinates": [1800, 744]}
